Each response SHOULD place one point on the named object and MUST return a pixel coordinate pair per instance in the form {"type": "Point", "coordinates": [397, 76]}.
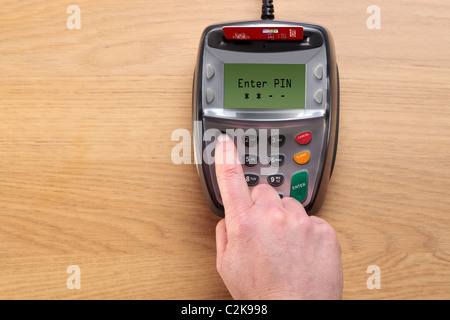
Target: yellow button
{"type": "Point", "coordinates": [302, 157]}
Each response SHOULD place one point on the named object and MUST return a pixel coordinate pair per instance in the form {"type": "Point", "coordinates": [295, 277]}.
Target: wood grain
{"type": "Point", "coordinates": [86, 118]}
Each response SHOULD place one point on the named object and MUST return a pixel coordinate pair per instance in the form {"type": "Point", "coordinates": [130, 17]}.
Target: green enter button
{"type": "Point", "coordinates": [299, 186]}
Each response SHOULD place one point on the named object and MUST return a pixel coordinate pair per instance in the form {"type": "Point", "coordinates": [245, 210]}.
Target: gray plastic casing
{"type": "Point", "coordinates": [321, 119]}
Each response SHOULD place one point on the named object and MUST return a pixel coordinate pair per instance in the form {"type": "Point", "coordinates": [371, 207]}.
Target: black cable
{"type": "Point", "coordinates": [267, 10]}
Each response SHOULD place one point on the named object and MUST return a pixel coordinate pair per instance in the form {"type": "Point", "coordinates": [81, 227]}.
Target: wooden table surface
{"type": "Point", "coordinates": [86, 177]}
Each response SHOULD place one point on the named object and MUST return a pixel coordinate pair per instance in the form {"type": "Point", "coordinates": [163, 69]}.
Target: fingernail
{"type": "Point", "coordinates": [223, 137]}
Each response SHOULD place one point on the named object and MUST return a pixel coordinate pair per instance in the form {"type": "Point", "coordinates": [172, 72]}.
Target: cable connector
{"type": "Point", "coordinates": [267, 10]}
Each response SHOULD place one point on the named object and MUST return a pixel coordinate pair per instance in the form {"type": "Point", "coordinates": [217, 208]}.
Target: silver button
{"type": "Point", "coordinates": [210, 71]}
{"type": "Point", "coordinates": [318, 96]}
{"type": "Point", "coordinates": [318, 72]}
{"type": "Point", "coordinates": [210, 95]}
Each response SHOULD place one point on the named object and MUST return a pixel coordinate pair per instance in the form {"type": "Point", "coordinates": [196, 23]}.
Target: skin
{"type": "Point", "coordinates": [267, 247]}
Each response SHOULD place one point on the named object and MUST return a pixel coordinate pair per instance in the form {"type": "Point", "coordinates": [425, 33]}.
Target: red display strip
{"type": "Point", "coordinates": [263, 33]}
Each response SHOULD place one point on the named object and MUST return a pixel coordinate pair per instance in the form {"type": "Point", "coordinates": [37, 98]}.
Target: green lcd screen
{"type": "Point", "coordinates": [266, 86]}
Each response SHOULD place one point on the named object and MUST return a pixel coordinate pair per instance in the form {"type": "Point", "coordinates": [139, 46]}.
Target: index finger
{"type": "Point", "coordinates": [230, 177]}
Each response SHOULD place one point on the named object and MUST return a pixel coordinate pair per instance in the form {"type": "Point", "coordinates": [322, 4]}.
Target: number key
{"type": "Point", "coordinates": [275, 180]}
{"type": "Point", "coordinates": [251, 179]}
{"type": "Point", "coordinates": [250, 160]}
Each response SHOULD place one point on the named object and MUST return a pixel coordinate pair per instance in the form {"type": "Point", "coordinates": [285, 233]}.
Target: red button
{"type": "Point", "coordinates": [304, 138]}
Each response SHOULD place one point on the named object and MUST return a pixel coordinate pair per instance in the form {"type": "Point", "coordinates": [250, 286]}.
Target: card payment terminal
{"type": "Point", "coordinates": [277, 84]}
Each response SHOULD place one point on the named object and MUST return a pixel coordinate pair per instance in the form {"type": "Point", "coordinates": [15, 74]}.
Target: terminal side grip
{"type": "Point", "coordinates": [337, 123]}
